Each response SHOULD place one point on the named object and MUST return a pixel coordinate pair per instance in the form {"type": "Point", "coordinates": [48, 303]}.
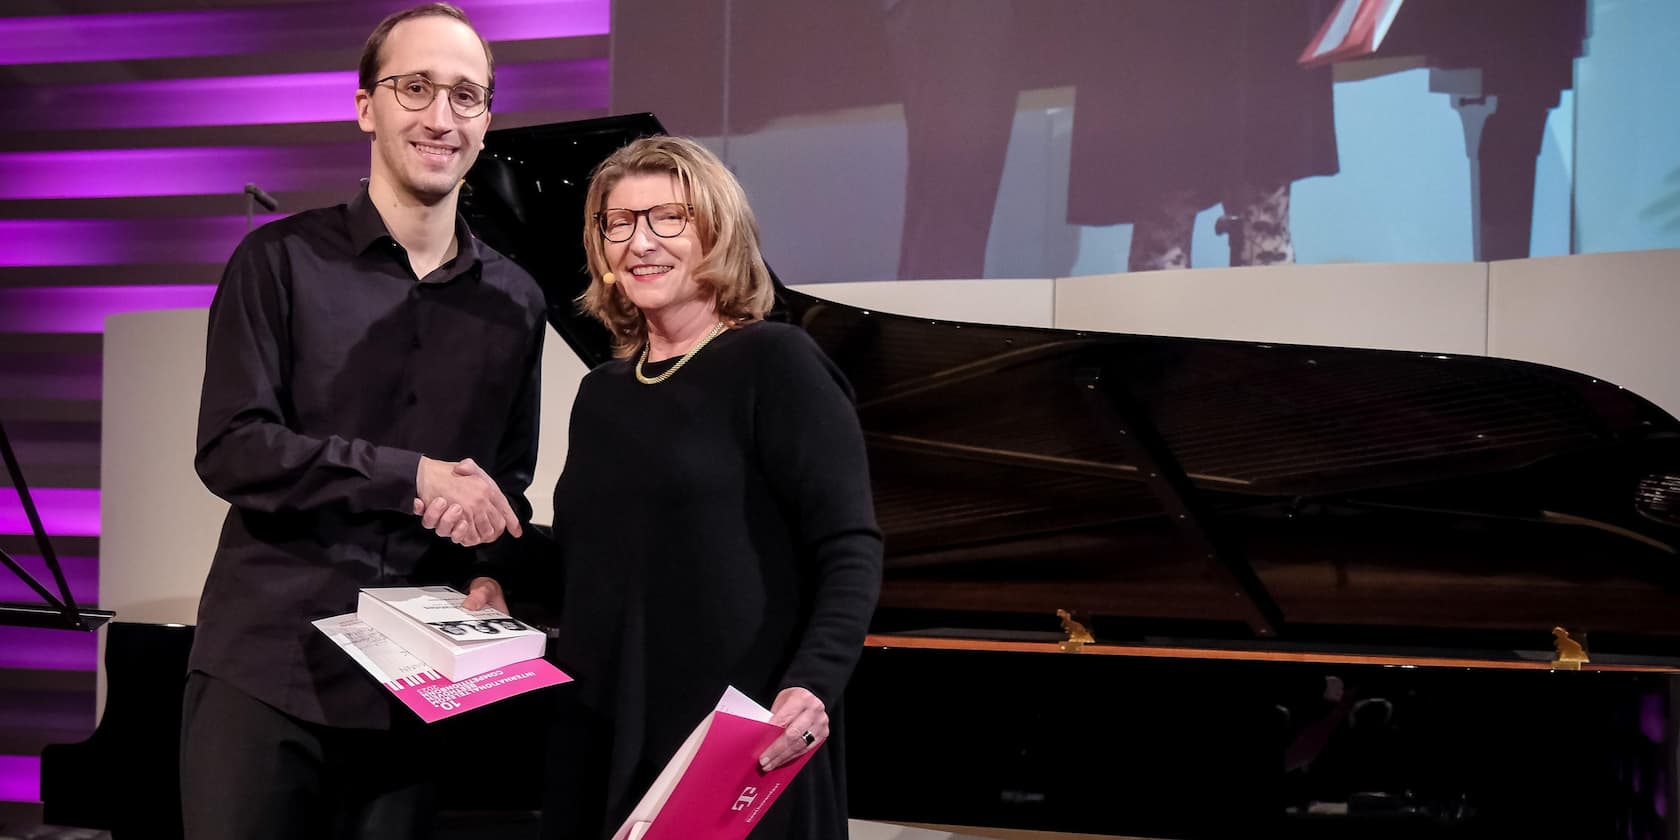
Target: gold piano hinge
{"type": "Point", "coordinates": [1077, 636]}
{"type": "Point", "coordinates": [1570, 653]}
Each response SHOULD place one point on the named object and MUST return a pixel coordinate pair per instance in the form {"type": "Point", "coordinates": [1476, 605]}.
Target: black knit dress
{"type": "Point", "coordinates": [714, 529]}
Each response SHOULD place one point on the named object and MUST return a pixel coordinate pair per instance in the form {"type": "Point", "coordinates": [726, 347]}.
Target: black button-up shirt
{"type": "Point", "coordinates": [330, 370]}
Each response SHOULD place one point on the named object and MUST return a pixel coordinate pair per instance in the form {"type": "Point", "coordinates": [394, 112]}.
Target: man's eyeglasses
{"type": "Point", "coordinates": [415, 92]}
{"type": "Point", "coordinates": [665, 220]}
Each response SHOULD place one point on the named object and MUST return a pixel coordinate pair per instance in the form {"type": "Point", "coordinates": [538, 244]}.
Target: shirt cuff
{"type": "Point", "coordinates": [392, 482]}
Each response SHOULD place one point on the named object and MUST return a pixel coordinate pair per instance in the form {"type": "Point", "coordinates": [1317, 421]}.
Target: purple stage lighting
{"type": "Point", "coordinates": [278, 99]}
{"type": "Point", "coordinates": [20, 778]}
{"type": "Point", "coordinates": [33, 649]}
{"type": "Point", "coordinates": [107, 173]}
{"type": "Point", "coordinates": [65, 511]}
{"type": "Point", "coordinates": [122, 241]}
{"type": "Point", "coordinates": [82, 573]}
{"type": "Point", "coordinates": [177, 34]}
{"type": "Point", "coordinates": [83, 309]}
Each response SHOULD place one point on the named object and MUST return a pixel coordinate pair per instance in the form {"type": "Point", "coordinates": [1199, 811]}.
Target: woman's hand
{"type": "Point", "coordinates": [804, 722]}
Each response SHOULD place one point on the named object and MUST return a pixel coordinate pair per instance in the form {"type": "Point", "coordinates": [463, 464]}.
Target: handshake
{"type": "Point", "coordinates": [461, 502]}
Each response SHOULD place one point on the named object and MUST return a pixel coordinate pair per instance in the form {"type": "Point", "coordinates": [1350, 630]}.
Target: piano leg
{"type": "Point", "coordinates": [1502, 137]}
{"type": "Point", "coordinates": [1505, 172]}
{"type": "Point", "coordinates": [949, 66]}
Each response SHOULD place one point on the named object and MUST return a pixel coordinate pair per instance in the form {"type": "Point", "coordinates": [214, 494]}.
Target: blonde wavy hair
{"type": "Point", "coordinates": [732, 268]}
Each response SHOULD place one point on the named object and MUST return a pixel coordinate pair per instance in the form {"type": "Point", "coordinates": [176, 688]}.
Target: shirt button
{"type": "Point", "coordinates": [416, 343]}
{"type": "Point", "coordinates": [413, 398]}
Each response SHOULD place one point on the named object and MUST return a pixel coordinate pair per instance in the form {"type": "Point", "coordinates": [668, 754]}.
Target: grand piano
{"type": "Point", "coordinates": [1163, 587]}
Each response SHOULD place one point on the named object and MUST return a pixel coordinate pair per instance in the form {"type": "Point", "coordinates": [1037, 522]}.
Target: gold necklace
{"type": "Point", "coordinates": [716, 330]}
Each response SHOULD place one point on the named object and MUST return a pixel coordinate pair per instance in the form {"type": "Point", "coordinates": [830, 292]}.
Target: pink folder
{"type": "Point", "coordinates": [712, 789]}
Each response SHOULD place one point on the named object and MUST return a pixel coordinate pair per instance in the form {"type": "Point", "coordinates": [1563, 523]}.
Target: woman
{"type": "Point", "coordinates": [714, 515]}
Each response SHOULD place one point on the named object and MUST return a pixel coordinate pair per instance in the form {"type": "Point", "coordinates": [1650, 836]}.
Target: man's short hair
{"type": "Point", "coordinates": [367, 71]}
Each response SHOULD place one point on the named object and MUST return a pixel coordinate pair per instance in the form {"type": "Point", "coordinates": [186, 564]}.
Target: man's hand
{"type": "Point", "coordinates": [804, 724]}
{"type": "Point", "coordinates": [484, 592]}
{"type": "Point", "coordinates": [466, 505]}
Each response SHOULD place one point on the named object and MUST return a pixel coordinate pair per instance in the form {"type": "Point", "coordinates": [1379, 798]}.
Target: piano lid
{"type": "Point", "coordinates": [1223, 492]}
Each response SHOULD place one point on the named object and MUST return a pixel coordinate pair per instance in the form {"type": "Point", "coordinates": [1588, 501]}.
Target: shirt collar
{"type": "Point", "coordinates": [367, 228]}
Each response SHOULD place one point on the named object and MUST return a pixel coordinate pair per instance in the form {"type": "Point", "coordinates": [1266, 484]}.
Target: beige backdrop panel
{"type": "Point", "coordinates": [1016, 303]}
{"type": "Point", "coordinates": [562, 371]}
{"type": "Point", "coordinates": [158, 525]}
{"type": "Point", "coordinates": [1438, 307]}
{"type": "Point", "coordinates": [1612, 316]}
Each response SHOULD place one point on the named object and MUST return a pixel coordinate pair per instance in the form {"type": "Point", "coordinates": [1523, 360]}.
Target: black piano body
{"type": "Point", "coordinates": [1320, 584]}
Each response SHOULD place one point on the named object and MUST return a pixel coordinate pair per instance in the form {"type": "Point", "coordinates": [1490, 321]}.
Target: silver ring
{"type": "Point", "coordinates": [808, 738]}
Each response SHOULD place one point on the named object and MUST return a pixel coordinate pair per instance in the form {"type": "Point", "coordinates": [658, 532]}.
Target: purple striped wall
{"type": "Point", "coordinates": [82, 573]}
{"type": "Point", "coordinates": [83, 309]}
{"type": "Point", "coordinates": [65, 511]}
{"type": "Point", "coordinates": [48, 650]}
{"type": "Point", "coordinates": [213, 32]}
{"type": "Point", "coordinates": [204, 170]}
{"type": "Point", "coordinates": [281, 99]}
{"type": "Point", "coordinates": [20, 778]}
{"type": "Point", "coordinates": [74, 242]}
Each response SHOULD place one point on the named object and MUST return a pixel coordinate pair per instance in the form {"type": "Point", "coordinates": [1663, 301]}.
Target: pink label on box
{"type": "Point", "coordinates": [434, 698]}
{"type": "Point", "coordinates": [424, 690]}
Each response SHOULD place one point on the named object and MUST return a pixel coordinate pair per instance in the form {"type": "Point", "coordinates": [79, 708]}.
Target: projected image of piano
{"type": "Point", "coordinates": [1169, 111]}
{"type": "Point", "coordinates": [1184, 106]}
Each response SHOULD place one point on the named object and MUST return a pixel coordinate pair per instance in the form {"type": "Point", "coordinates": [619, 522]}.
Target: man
{"type": "Point", "coordinates": [362, 358]}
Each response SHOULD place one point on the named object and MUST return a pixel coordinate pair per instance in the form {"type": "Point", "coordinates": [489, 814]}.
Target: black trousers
{"type": "Point", "coordinates": [574, 799]}
{"type": "Point", "coordinates": [252, 772]}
